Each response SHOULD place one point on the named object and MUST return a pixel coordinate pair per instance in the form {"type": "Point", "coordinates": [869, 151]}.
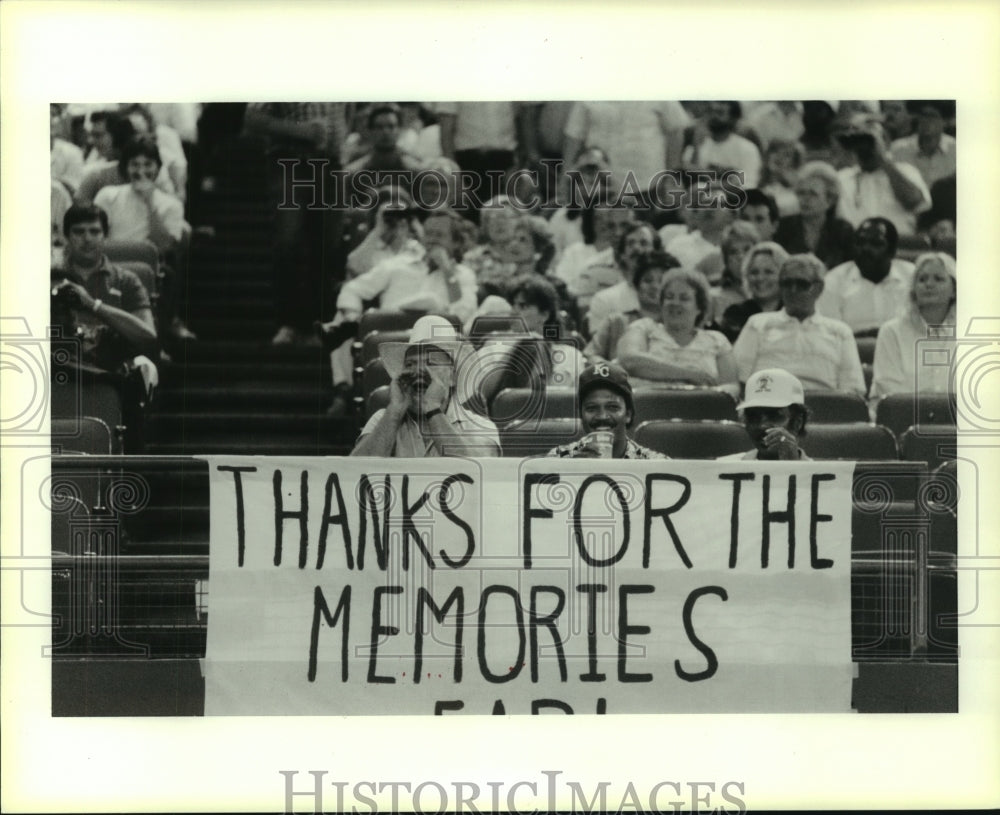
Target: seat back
{"type": "Point", "coordinates": [518, 404]}
{"type": "Point", "coordinates": [535, 437]}
{"type": "Point", "coordinates": [374, 376]}
{"type": "Point", "coordinates": [96, 397]}
{"type": "Point", "coordinates": [496, 323]}
{"type": "Point", "coordinates": [88, 434]}
{"type": "Point", "coordinates": [653, 403]}
{"type": "Point", "coordinates": [851, 442]}
{"type": "Point", "coordinates": [142, 251]}
{"type": "Point", "coordinates": [679, 438]}
{"type": "Point", "coordinates": [899, 411]}
{"type": "Point", "coordinates": [836, 407]}
{"type": "Point", "coordinates": [934, 444]}
{"type": "Point", "coordinates": [371, 342]}
{"type": "Point", "coordinates": [377, 399]}
{"type": "Point", "coordinates": [146, 276]}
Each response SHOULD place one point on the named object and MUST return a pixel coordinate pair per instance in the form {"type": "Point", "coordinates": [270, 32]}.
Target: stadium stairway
{"type": "Point", "coordinates": [231, 391]}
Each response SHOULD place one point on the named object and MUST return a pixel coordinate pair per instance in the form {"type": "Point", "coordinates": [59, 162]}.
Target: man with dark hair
{"type": "Point", "coordinates": [111, 133]}
{"type": "Point", "coordinates": [385, 156]}
{"type": "Point", "coordinates": [607, 411]}
{"type": "Point", "coordinates": [774, 415]}
{"type": "Point", "coordinates": [761, 210]}
{"type": "Point", "coordinates": [874, 287]}
{"type": "Point", "coordinates": [724, 149]}
{"type": "Point", "coordinates": [635, 242]}
{"type": "Point", "coordinates": [107, 305]}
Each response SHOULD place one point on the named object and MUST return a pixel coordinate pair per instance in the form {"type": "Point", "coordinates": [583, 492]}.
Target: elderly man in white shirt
{"type": "Point", "coordinates": [820, 351]}
{"type": "Point", "coordinates": [874, 287]}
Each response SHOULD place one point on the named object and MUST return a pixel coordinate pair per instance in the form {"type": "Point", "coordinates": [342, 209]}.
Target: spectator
{"type": "Point", "coordinates": [396, 224]}
{"type": "Point", "coordinates": [816, 229]}
{"type": "Point", "coordinates": [724, 149]}
{"type": "Point", "coordinates": [817, 137]}
{"type": "Point", "coordinates": [168, 142]}
{"type": "Point", "coordinates": [940, 221]}
{"type": "Point", "coordinates": [644, 137]}
{"type": "Point", "coordinates": [586, 186]}
{"type": "Point", "coordinates": [647, 280]}
{"type": "Point", "coordinates": [930, 149]}
{"type": "Point", "coordinates": [307, 256]}
{"type": "Point", "coordinates": [761, 211]}
{"type": "Point", "coordinates": [605, 402]}
{"type": "Point", "coordinates": [877, 185]}
{"type": "Point", "coordinates": [760, 280]}
{"type": "Point", "coordinates": [636, 241]}
{"type": "Point", "coordinates": [424, 417]}
{"type": "Point", "coordinates": [65, 158]}
{"type": "Point", "coordinates": [420, 134]}
{"type": "Point", "coordinates": [738, 239]}
{"type": "Point", "coordinates": [708, 215]}
{"type": "Point", "coordinates": [776, 121]}
{"type": "Point", "coordinates": [874, 287]}
{"type": "Point", "coordinates": [601, 225]}
{"type": "Point", "coordinates": [437, 188]}
{"type": "Point", "coordinates": [487, 260]}
{"type": "Point", "coordinates": [819, 350]}
{"type": "Point", "coordinates": [138, 210]}
{"type": "Point", "coordinates": [111, 134]}
{"type": "Point", "coordinates": [385, 157]}
{"type": "Point", "coordinates": [774, 415]}
{"type": "Point", "coordinates": [902, 364]}
{"type": "Point", "coordinates": [107, 309]}
{"type": "Point", "coordinates": [481, 137]}
{"type": "Point", "coordinates": [896, 118]}
{"type": "Point", "coordinates": [675, 348]}
{"type": "Point", "coordinates": [782, 160]}
{"type": "Point", "coordinates": [420, 278]}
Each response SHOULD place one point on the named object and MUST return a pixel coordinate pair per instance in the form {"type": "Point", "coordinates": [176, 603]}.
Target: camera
{"type": "Point", "coordinates": [65, 296]}
{"type": "Point", "coordinates": [857, 142]}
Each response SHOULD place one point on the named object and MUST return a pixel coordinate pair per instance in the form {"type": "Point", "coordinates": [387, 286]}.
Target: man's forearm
{"type": "Point", "coordinates": [907, 193]}
{"type": "Point", "coordinates": [137, 333]}
{"type": "Point", "coordinates": [382, 440]}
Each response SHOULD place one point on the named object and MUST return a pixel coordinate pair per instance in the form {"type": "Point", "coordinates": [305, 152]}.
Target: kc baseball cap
{"type": "Point", "coordinates": [774, 388]}
{"type": "Point", "coordinates": [606, 375]}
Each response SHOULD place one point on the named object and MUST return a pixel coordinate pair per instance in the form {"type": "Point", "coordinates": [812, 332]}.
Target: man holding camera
{"type": "Point", "coordinates": [108, 306]}
{"type": "Point", "coordinates": [876, 184]}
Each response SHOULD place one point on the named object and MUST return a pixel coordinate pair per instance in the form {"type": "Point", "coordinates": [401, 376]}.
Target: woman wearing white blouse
{"type": "Point", "coordinates": [899, 365]}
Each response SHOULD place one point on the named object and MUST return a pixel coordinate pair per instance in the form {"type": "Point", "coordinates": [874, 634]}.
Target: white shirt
{"type": "Point", "coordinates": [864, 305]}
{"type": "Point", "coordinates": [405, 281]}
{"type": "Point", "coordinates": [867, 195]}
{"type": "Point", "coordinates": [902, 363]}
{"type": "Point", "coordinates": [617, 299]}
{"type": "Point", "coordinates": [691, 249]}
{"type": "Point", "coordinates": [732, 153]}
{"type": "Point", "coordinates": [820, 351]}
{"type": "Point", "coordinates": [633, 134]}
{"type": "Point", "coordinates": [482, 125]}
{"type": "Point", "coordinates": [129, 215]}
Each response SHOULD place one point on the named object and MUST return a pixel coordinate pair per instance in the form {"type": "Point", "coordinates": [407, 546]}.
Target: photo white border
{"type": "Point", "coordinates": [228, 51]}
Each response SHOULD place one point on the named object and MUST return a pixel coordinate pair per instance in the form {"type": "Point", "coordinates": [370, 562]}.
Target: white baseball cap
{"type": "Point", "coordinates": [774, 388]}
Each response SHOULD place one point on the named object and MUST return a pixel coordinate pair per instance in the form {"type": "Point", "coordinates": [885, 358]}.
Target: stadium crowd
{"type": "Point", "coordinates": [690, 245]}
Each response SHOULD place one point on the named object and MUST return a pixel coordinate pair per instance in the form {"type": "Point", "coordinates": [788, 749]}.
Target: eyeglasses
{"type": "Point", "coordinates": [796, 283]}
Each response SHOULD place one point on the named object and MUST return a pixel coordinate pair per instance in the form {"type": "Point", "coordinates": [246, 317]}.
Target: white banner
{"type": "Point", "coordinates": [363, 586]}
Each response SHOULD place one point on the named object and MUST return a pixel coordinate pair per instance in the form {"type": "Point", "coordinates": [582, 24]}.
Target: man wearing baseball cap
{"type": "Point", "coordinates": [774, 415]}
{"type": "Point", "coordinates": [606, 408]}
{"type": "Point", "coordinates": [424, 417]}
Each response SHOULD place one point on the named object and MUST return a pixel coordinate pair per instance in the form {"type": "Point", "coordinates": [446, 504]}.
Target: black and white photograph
{"type": "Point", "coordinates": [288, 504]}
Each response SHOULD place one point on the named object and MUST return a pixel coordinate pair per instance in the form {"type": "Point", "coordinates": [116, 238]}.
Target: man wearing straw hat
{"type": "Point", "coordinates": [424, 416]}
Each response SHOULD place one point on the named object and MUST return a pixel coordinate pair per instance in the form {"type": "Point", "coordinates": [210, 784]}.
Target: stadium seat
{"type": "Point", "coordinates": [377, 399]}
{"type": "Point", "coordinates": [683, 403]}
{"type": "Point", "coordinates": [535, 437]}
{"type": "Point", "coordinates": [851, 442]}
{"type": "Point", "coordinates": [910, 247]}
{"type": "Point", "coordinates": [934, 444]}
{"type": "Point", "coordinates": [899, 411]}
{"type": "Point", "coordinates": [142, 251]}
{"type": "Point", "coordinates": [88, 434]}
{"type": "Point", "coordinates": [146, 276]}
{"type": "Point", "coordinates": [387, 320]}
{"type": "Point", "coordinates": [374, 375]}
{"type": "Point", "coordinates": [693, 439]}
{"type": "Point", "coordinates": [836, 407]}
{"type": "Point", "coordinates": [83, 394]}
{"type": "Point", "coordinates": [495, 324]}
{"type": "Point", "coordinates": [371, 342]}
{"type": "Point", "coordinates": [514, 404]}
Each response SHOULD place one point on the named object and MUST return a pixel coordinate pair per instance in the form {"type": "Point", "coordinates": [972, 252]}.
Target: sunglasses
{"type": "Point", "coordinates": [796, 283]}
